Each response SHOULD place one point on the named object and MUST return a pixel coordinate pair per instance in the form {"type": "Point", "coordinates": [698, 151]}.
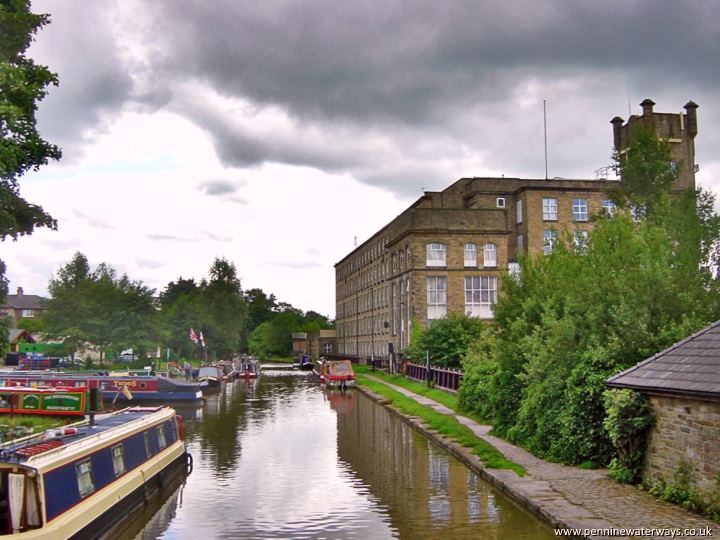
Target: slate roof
{"type": "Point", "coordinates": [691, 368]}
{"type": "Point", "coordinates": [24, 301]}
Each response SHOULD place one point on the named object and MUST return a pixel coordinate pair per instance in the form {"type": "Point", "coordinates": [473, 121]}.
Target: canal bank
{"type": "Point", "coordinates": [587, 503]}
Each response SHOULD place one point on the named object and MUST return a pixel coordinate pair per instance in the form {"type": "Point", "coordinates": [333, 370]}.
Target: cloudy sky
{"type": "Point", "coordinates": [276, 133]}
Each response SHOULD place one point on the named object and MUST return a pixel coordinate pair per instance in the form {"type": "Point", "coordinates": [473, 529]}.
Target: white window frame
{"type": "Point", "coordinates": [519, 211]}
{"type": "Point", "coordinates": [470, 259]}
{"type": "Point", "coordinates": [436, 297]}
{"type": "Point", "coordinates": [550, 209]}
{"type": "Point", "coordinates": [520, 243]}
{"type": "Point", "coordinates": [500, 202]}
{"type": "Point", "coordinates": [84, 473]}
{"type": "Point", "coordinates": [27, 313]}
{"type": "Point", "coordinates": [118, 458]}
{"type": "Point", "coordinates": [609, 207]}
{"type": "Point", "coordinates": [549, 240]}
{"type": "Point", "coordinates": [436, 254]}
{"type": "Point", "coordinates": [480, 296]}
{"type": "Point", "coordinates": [490, 255]}
{"type": "Point", "coordinates": [580, 209]}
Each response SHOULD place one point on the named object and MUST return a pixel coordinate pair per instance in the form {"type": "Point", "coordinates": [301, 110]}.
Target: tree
{"type": "Point", "coordinates": [578, 316]}
{"type": "Point", "coordinates": [226, 308]}
{"type": "Point", "coordinates": [260, 307]}
{"type": "Point", "coordinates": [22, 84]}
{"type": "Point", "coordinates": [446, 340]}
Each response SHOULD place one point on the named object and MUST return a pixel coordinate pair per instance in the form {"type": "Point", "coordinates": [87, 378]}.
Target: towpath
{"type": "Point", "coordinates": [587, 501]}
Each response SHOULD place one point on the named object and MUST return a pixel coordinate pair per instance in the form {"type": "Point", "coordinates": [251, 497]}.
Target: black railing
{"type": "Point", "coordinates": [447, 378]}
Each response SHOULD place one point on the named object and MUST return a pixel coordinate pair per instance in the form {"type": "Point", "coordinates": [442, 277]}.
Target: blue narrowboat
{"type": "Point", "coordinates": [85, 479]}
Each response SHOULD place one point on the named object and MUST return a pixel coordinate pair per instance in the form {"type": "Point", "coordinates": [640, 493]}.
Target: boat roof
{"type": "Point", "coordinates": [41, 389]}
{"type": "Point", "coordinates": [74, 440]}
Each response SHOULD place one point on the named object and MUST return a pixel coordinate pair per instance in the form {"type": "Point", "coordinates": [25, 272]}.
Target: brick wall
{"type": "Point", "coordinates": [686, 431]}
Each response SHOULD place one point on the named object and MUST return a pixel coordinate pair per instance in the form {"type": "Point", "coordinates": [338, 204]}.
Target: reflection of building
{"type": "Point", "coordinates": [447, 251]}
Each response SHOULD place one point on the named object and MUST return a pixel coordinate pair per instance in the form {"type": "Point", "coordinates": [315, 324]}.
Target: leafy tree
{"type": "Point", "coordinates": [225, 305]}
{"type": "Point", "coordinates": [260, 307]}
{"type": "Point", "coordinates": [575, 317]}
{"type": "Point", "coordinates": [447, 340]}
{"type": "Point", "coordinates": [22, 84]}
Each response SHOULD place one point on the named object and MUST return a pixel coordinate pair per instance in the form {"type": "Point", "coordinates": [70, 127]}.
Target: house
{"type": "Point", "coordinates": [16, 336]}
{"type": "Point", "coordinates": [22, 306]}
{"type": "Point", "coordinates": [447, 251]}
{"type": "Point", "coordinates": [683, 386]}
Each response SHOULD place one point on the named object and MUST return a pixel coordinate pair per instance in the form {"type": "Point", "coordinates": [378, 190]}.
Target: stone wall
{"type": "Point", "coordinates": [686, 432]}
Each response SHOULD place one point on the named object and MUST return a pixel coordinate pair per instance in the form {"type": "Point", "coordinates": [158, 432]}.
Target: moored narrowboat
{"type": "Point", "coordinates": [58, 401]}
{"type": "Point", "coordinates": [83, 480]}
{"type": "Point", "coordinates": [248, 368]}
{"type": "Point", "coordinates": [337, 373]}
{"type": "Point", "coordinates": [113, 388]}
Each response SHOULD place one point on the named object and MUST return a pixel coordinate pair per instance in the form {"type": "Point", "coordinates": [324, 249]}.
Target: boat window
{"type": "Point", "coordinates": [84, 478]}
{"type": "Point", "coordinates": [148, 448]}
{"type": "Point", "coordinates": [161, 437]}
{"type": "Point", "coordinates": [118, 457]}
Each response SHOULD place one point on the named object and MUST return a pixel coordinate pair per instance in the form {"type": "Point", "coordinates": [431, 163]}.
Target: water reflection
{"type": "Point", "coordinates": [281, 458]}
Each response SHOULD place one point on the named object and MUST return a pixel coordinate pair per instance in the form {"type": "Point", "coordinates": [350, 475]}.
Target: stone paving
{"type": "Point", "coordinates": [570, 497]}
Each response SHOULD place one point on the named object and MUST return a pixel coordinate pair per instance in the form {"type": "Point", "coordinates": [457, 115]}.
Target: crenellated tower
{"type": "Point", "coordinates": [678, 129]}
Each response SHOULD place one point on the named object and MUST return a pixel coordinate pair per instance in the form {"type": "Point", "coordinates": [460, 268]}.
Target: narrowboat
{"type": "Point", "coordinates": [248, 368]}
{"type": "Point", "coordinates": [85, 479]}
{"type": "Point", "coordinates": [209, 379]}
{"type": "Point", "coordinates": [303, 362]}
{"type": "Point", "coordinates": [113, 388]}
{"type": "Point", "coordinates": [337, 373]}
{"type": "Point", "coordinates": [58, 401]}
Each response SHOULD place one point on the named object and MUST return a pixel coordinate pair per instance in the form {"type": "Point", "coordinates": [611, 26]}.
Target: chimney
{"type": "Point", "coordinates": [19, 291]}
{"type": "Point", "coordinates": [617, 123]}
{"type": "Point", "coordinates": [647, 106]}
{"type": "Point", "coordinates": [691, 108]}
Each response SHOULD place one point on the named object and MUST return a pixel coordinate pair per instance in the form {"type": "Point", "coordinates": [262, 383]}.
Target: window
{"type": "Point", "coordinates": [394, 301]}
{"type": "Point", "coordinates": [520, 243]}
{"type": "Point", "coordinates": [327, 348]}
{"type": "Point", "coordinates": [550, 209]}
{"type": "Point", "coordinates": [480, 296]}
{"type": "Point", "coordinates": [148, 448]}
{"type": "Point", "coordinates": [490, 255]}
{"type": "Point", "coordinates": [580, 241]}
{"type": "Point", "coordinates": [470, 255]}
{"type": "Point", "coordinates": [609, 207]}
{"type": "Point", "coordinates": [501, 202]}
{"type": "Point", "coordinates": [27, 313]}
{"type": "Point", "coordinates": [84, 478]}
{"type": "Point", "coordinates": [161, 437]}
{"type": "Point", "coordinates": [436, 254]}
{"type": "Point", "coordinates": [118, 457]}
{"type": "Point", "coordinates": [549, 240]}
{"type": "Point", "coordinates": [436, 297]}
{"type": "Point", "coordinates": [519, 211]}
{"type": "Point", "coordinates": [580, 209]}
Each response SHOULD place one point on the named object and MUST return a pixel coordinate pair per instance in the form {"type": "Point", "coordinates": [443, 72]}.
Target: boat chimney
{"type": "Point", "coordinates": [94, 400]}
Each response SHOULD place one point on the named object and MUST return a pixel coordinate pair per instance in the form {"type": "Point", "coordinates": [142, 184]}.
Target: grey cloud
{"type": "Point", "coordinates": [223, 189]}
{"type": "Point", "coordinates": [366, 84]}
{"type": "Point", "coordinates": [296, 265]}
{"type": "Point", "coordinates": [218, 237]}
{"type": "Point", "coordinates": [149, 263]}
{"type": "Point", "coordinates": [169, 238]}
{"type": "Point", "coordinates": [92, 221]}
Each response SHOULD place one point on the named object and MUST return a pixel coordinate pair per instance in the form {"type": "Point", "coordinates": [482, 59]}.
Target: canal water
{"type": "Point", "coordinates": [281, 458]}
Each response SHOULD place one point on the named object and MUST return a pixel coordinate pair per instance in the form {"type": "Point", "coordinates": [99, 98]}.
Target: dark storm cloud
{"type": "Point", "coordinates": [363, 86]}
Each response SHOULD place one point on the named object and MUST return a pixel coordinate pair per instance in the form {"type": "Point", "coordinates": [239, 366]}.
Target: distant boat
{"type": "Point", "coordinates": [247, 368]}
{"type": "Point", "coordinates": [113, 388]}
{"type": "Point", "coordinates": [209, 379]}
{"type": "Point", "coordinates": [303, 362]}
{"type": "Point", "coordinates": [85, 480]}
{"type": "Point", "coordinates": [58, 401]}
{"type": "Point", "coordinates": [336, 373]}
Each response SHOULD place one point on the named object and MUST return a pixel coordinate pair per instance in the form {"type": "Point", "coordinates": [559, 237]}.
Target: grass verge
{"type": "Point", "coordinates": [445, 425]}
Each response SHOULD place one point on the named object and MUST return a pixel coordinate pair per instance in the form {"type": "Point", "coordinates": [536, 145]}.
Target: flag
{"type": "Point", "coordinates": [202, 339]}
{"type": "Point", "coordinates": [193, 336]}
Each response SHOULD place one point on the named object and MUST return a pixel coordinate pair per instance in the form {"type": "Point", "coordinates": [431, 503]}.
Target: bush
{"type": "Point", "coordinates": [627, 422]}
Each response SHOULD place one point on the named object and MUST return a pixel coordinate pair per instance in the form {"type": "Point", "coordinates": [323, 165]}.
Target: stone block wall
{"type": "Point", "coordinates": [686, 432]}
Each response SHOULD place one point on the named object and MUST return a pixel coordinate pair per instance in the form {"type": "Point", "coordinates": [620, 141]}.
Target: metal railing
{"type": "Point", "coordinates": [447, 378]}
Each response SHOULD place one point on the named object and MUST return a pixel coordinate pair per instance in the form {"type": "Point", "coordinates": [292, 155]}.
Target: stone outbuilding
{"type": "Point", "coordinates": [683, 385]}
